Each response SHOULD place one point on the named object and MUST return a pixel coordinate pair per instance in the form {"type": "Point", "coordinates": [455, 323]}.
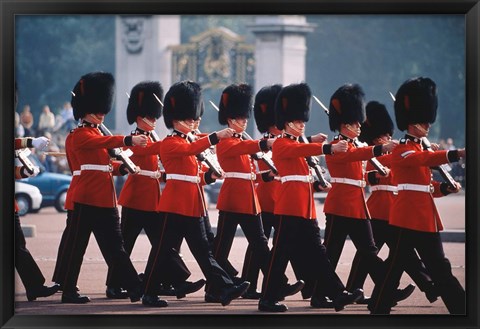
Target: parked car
{"type": "Point", "coordinates": [29, 198]}
{"type": "Point", "coordinates": [53, 186]}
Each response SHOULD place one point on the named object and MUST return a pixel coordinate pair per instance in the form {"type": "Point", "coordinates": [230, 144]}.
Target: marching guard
{"type": "Point", "coordinates": [181, 203]}
{"type": "Point", "coordinates": [298, 231]}
{"type": "Point", "coordinates": [378, 129]}
{"type": "Point", "coordinates": [95, 202]}
{"type": "Point", "coordinates": [28, 270]}
{"type": "Point", "coordinates": [415, 221]}
{"type": "Point", "coordinates": [345, 208]}
{"type": "Point", "coordinates": [237, 200]}
{"type": "Point", "coordinates": [140, 196]}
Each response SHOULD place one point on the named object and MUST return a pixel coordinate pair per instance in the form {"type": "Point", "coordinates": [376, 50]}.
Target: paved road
{"type": "Point", "coordinates": [49, 225]}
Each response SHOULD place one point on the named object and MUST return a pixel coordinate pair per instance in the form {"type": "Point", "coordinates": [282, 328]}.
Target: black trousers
{"type": "Point", "coordinates": [269, 224]}
{"type": "Point", "coordinates": [337, 229]}
{"type": "Point", "coordinates": [105, 225]}
{"type": "Point", "coordinates": [383, 234]}
{"type": "Point", "coordinates": [175, 228]}
{"type": "Point", "coordinates": [228, 267]}
{"type": "Point", "coordinates": [430, 249]}
{"type": "Point", "coordinates": [295, 236]}
{"type": "Point", "coordinates": [64, 250]}
{"type": "Point", "coordinates": [132, 223]}
{"type": "Point", "coordinates": [27, 268]}
{"type": "Point", "coordinates": [253, 230]}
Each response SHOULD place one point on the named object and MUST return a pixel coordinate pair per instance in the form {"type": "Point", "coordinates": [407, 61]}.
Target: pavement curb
{"type": "Point", "coordinates": [447, 235]}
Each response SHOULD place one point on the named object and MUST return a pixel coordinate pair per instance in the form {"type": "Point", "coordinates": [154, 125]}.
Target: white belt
{"type": "Point", "coordinates": [355, 182]}
{"type": "Point", "coordinates": [77, 172]}
{"type": "Point", "coordinates": [297, 178]}
{"type": "Point", "coordinates": [416, 187]}
{"type": "Point", "coordinates": [105, 168]}
{"type": "Point", "coordinates": [186, 178]}
{"type": "Point", "coordinates": [241, 175]}
{"type": "Point", "coordinates": [389, 188]}
{"type": "Point", "coordinates": [152, 174]}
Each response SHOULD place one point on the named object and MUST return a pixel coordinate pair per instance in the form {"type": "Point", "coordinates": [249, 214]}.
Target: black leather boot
{"type": "Point", "coordinates": [42, 291]}
{"type": "Point", "coordinates": [233, 292]}
{"type": "Point", "coordinates": [346, 298]}
{"type": "Point", "coordinates": [153, 301]}
{"type": "Point", "coordinates": [74, 298]}
{"type": "Point", "coordinates": [188, 287]}
{"type": "Point", "coordinates": [265, 305]}
{"type": "Point", "coordinates": [116, 293]}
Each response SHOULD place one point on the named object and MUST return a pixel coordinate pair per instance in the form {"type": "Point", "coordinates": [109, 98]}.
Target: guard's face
{"type": "Point", "coordinates": [147, 123]}
{"type": "Point", "coordinates": [238, 124]}
{"type": "Point", "coordinates": [184, 126]}
{"type": "Point", "coordinates": [295, 128]}
{"type": "Point", "coordinates": [421, 129]}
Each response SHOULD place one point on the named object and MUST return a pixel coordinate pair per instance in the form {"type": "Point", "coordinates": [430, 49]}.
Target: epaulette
{"type": "Point", "coordinates": [403, 141]}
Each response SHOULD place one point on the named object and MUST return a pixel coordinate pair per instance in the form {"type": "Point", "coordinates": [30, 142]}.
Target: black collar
{"type": "Point", "coordinates": [87, 124]}
{"type": "Point", "coordinates": [413, 138]}
{"type": "Point", "coordinates": [269, 135]}
{"type": "Point", "coordinates": [180, 134]}
{"type": "Point", "coordinates": [139, 131]}
{"type": "Point", "coordinates": [237, 135]}
{"type": "Point", "coordinates": [289, 136]}
{"type": "Point", "coordinates": [343, 137]}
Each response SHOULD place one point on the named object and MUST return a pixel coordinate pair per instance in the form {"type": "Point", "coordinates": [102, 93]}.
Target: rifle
{"type": "Point", "coordinates": [314, 163]}
{"type": "Point", "coordinates": [118, 153]}
{"type": "Point", "coordinates": [259, 155]}
{"type": "Point", "coordinates": [208, 157]}
{"type": "Point", "coordinates": [375, 163]}
{"type": "Point", "coordinates": [22, 155]}
{"type": "Point", "coordinates": [442, 169]}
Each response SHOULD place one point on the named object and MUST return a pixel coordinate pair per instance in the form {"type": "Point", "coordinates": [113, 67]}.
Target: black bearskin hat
{"type": "Point", "coordinates": [93, 93]}
{"type": "Point", "coordinates": [235, 102]}
{"type": "Point", "coordinates": [264, 107]}
{"type": "Point", "coordinates": [292, 103]}
{"type": "Point", "coordinates": [347, 105]}
{"type": "Point", "coordinates": [378, 123]}
{"type": "Point", "coordinates": [182, 101]}
{"type": "Point", "coordinates": [416, 102]}
{"type": "Point", "coordinates": [142, 101]}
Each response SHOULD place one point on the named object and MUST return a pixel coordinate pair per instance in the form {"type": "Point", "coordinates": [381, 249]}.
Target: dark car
{"type": "Point", "coordinates": [53, 186]}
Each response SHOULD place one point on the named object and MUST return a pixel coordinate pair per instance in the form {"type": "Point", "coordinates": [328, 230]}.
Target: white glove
{"type": "Point", "coordinates": [36, 171]}
{"type": "Point", "coordinates": [40, 143]}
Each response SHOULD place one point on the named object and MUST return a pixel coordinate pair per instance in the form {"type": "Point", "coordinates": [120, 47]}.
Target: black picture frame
{"type": "Point", "coordinates": [471, 10]}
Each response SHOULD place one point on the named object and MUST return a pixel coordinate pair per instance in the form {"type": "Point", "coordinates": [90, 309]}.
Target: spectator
{"type": "Point", "coordinates": [67, 116]}
{"type": "Point", "coordinates": [26, 120]}
{"type": "Point", "coordinates": [19, 130]}
{"type": "Point", "coordinates": [46, 121]}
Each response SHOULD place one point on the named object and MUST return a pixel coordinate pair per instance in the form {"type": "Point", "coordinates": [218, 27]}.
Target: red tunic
{"type": "Point", "coordinates": [236, 194]}
{"type": "Point", "coordinates": [379, 202]}
{"type": "Point", "coordinates": [344, 199]}
{"type": "Point", "coordinates": [95, 188]}
{"type": "Point", "coordinates": [412, 209]}
{"type": "Point", "coordinates": [294, 198]}
{"type": "Point", "coordinates": [267, 191]}
{"type": "Point", "coordinates": [178, 157]}
{"type": "Point", "coordinates": [142, 192]}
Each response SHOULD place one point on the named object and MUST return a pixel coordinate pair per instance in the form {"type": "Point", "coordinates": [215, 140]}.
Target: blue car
{"type": "Point", "coordinates": [53, 186]}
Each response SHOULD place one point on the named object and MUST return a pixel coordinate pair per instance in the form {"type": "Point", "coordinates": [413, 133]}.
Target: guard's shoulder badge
{"type": "Point", "coordinates": [336, 138]}
{"type": "Point", "coordinates": [403, 141]}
